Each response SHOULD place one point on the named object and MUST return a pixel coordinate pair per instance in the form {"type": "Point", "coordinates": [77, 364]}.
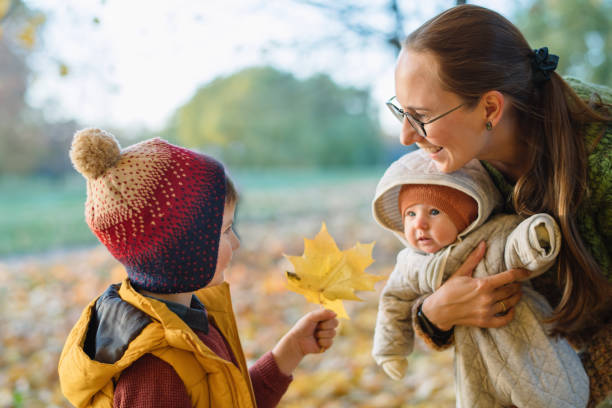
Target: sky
{"type": "Point", "coordinates": [132, 63]}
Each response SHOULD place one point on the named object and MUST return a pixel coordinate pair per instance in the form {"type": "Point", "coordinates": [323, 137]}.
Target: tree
{"type": "Point", "coordinates": [261, 117]}
{"type": "Point", "coordinates": [579, 31]}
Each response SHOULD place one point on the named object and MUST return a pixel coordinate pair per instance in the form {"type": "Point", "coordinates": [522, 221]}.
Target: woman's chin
{"type": "Point", "coordinates": [443, 163]}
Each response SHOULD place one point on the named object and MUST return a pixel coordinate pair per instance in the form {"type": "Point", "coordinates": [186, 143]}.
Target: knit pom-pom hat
{"type": "Point", "coordinates": [157, 207]}
{"type": "Point", "coordinates": [460, 207]}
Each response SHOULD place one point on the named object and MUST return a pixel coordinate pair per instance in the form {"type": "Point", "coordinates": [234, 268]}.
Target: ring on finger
{"type": "Point", "coordinates": [503, 305]}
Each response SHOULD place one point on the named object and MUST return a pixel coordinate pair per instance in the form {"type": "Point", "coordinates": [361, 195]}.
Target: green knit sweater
{"type": "Point", "coordinates": [594, 215]}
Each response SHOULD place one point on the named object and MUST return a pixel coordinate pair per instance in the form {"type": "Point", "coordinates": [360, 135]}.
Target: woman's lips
{"type": "Point", "coordinates": [431, 149]}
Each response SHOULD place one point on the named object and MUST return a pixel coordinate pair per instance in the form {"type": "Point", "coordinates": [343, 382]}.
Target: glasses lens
{"type": "Point", "coordinates": [397, 112]}
{"type": "Point", "coordinates": [416, 125]}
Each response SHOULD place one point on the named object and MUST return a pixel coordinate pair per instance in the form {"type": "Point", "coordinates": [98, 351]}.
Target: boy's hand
{"type": "Point", "coordinates": [313, 333]}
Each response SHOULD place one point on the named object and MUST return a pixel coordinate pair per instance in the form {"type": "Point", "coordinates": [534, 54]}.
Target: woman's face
{"type": "Point", "coordinates": [452, 140]}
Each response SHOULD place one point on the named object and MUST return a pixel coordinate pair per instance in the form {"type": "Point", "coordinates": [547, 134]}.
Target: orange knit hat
{"type": "Point", "coordinates": [460, 207]}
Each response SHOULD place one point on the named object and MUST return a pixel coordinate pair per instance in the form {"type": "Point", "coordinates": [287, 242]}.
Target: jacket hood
{"type": "Point", "coordinates": [418, 168]}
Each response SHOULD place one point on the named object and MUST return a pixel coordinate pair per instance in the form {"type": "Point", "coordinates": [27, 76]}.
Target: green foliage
{"type": "Point", "coordinates": [38, 214]}
{"type": "Point", "coordinates": [579, 31]}
{"type": "Point", "coordinates": [42, 214]}
{"type": "Point", "coordinates": [261, 117]}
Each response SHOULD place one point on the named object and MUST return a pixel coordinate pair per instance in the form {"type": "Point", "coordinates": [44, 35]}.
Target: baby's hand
{"type": "Point", "coordinates": [313, 333]}
{"type": "Point", "coordinates": [395, 369]}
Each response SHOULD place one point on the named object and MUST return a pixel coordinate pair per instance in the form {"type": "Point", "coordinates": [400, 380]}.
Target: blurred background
{"type": "Point", "coordinates": [289, 94]}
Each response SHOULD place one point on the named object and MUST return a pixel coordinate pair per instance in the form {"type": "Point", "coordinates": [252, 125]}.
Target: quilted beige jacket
{"type": "Point", "coordinates": [514, 365]}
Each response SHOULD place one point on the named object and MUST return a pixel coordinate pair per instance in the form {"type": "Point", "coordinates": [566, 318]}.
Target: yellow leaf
{"type": "Point", "coordinates": [63, 69]}
{"type": "Point", "coordinates": [27, 36]}
{"type": "Point", "coordinates": [325, 275]}
{"type": "Point", "coordinates": [5, 5]}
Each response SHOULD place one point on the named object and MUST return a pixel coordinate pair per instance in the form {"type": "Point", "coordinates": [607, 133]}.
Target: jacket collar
{"type": "Point", "coordinates": [194, 316]}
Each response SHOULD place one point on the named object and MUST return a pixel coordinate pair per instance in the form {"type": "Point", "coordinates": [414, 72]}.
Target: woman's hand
{"type": "Point", "coordinates": [482, 302]}
{"type": "Point", "coordinates": [313, 333]}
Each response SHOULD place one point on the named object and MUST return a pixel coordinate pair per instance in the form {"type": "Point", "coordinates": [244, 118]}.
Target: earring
{"type": "Point", "coordinates": [489, 125]}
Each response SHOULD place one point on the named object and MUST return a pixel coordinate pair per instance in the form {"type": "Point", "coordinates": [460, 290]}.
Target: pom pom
{"type": "Point", "coordinates": [94, 151]}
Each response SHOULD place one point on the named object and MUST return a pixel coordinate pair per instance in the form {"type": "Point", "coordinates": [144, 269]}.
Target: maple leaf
{"type": "Point", "coordinates": [325, 275]}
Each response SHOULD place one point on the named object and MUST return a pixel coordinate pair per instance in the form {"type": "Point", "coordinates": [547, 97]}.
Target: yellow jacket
{"type": "Point", "coordinates": [210, 380]}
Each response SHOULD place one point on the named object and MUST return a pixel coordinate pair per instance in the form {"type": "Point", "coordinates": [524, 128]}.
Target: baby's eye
{"type": "Point", "coordinates": [434, 211]}
{"type": "Point", "coordinates": [410, 213]}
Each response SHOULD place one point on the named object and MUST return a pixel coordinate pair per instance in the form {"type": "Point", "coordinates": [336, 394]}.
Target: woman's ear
{"type": "Point", "coordinates": [493, 104]}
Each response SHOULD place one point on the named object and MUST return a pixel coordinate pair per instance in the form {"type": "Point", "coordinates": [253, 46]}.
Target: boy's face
{"type": "Point", "coordinates": [427, 228]}
{"type": "Point", "coordinates": [228, 243]}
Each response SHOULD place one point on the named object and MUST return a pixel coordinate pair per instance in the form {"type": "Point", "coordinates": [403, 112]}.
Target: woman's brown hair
{"type": "Point", "coordinates": [479, 50]}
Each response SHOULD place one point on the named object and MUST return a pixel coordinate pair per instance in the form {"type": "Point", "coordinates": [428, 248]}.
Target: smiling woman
{"type": "Point", "coordinates": [469, 86]}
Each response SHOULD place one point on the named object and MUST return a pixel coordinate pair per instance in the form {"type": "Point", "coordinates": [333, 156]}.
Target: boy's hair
{"type": "Point", "coordinates": [460, 207]}
{"type": "Point", "coordinates": [157, 207]}
{"type": "Point", "coordinates": [231, 194]}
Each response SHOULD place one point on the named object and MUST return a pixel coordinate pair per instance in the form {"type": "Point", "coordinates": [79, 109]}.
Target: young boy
{"type": "Point", "coordinates": [166, 336]}
{"type": "Point", "coordinates": [441, 219]}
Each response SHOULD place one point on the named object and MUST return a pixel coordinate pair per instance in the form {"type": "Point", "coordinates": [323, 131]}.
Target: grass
{"type": "Point", "coordinates": [38, 214]}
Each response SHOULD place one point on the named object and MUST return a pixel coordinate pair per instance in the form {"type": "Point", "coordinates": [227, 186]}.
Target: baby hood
{"type": "Point", "coordinates": [418, 168]}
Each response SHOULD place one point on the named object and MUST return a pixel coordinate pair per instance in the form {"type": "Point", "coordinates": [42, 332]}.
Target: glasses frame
{"type": "Point", "coordinates": [416, 124]}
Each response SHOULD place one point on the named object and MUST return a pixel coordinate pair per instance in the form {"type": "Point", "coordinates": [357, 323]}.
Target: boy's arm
{"type": "Point", "coordinates": [269, 383]}
{"type": "Point", "coordinates": [534, 245]}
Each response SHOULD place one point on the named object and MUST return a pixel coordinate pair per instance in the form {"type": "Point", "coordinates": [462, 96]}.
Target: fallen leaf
{"type": "Point", "coordinates": [325, 275]}
{"type": "Point", "coordinates": [5, 5]}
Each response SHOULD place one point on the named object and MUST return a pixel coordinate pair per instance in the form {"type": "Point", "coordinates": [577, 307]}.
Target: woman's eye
{"type": "Point", "coordinates": [434, 212]}
{"type": "Point", "coordinates": [417, 116]}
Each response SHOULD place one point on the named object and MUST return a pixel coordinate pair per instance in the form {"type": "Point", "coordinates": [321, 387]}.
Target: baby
{"type": "Point", "coordinates": [441, 218]}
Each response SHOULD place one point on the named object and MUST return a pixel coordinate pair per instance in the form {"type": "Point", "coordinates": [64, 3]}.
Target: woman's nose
{"type": "Point", "coordinates": [408, 135]}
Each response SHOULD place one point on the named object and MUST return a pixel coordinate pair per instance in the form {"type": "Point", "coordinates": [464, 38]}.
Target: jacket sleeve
{"type": "Point", "coordinates": [393, 334]}
{"type": "Point", "coordinates": [534, 244]}
{"type": "Point", "coordinates": [269, 383]}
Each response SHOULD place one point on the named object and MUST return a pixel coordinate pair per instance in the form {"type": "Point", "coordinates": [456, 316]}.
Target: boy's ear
{"type": "Point", "coordinates": [493, 104]}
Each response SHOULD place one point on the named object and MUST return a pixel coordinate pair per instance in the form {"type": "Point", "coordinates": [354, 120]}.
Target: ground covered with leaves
{"type": "Point", "coordinates": [41, 297]}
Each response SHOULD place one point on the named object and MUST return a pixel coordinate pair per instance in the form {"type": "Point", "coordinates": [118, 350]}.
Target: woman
{"type": "Point", "coordinates": [469, 86]}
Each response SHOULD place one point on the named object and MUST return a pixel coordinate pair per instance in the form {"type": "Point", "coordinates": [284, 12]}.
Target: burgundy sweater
{"type": "Point", "coordinates": [152, 383]}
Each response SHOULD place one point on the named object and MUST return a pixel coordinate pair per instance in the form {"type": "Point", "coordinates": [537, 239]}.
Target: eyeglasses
{"type": "Point", "coordinates": [416, 124]}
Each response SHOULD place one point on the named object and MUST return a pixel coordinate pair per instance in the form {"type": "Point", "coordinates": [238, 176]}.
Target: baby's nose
{"type": "Point", "coordinates": [421, 222]}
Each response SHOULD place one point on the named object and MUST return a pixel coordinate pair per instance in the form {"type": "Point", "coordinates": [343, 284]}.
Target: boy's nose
{"type": "Point", "coordinates": [408, 135]}
{"type": "Point", "coordinates": [235, 242]}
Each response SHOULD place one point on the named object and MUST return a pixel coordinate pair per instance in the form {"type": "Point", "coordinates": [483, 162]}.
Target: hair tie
{"type": "Point", "coordinates": [543, 64]}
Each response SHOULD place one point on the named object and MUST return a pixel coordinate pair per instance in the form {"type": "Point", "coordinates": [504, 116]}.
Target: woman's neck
{"type": "Point", "coordinates": [506, 152]}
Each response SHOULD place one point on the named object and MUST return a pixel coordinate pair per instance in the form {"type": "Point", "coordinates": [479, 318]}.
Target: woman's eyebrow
{"type": "Point", "coordinates": [416, 108]}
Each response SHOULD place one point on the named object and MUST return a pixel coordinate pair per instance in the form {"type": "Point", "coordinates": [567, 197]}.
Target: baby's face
{"type": "Point", "coordinates": [427, 228]}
